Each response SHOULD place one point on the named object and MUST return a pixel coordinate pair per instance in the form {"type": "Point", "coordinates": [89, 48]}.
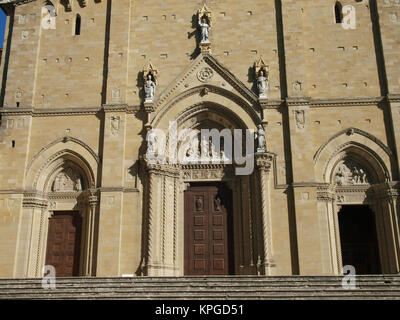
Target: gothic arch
{"type": "Point", "coordinates": [73, 165]}
{"type": "Point", "coordinates": [54, 155]}
{"type": "Point", "coordinates": [215, 99]}
{"type": "Point", "coordinates": [354, 143]}
{"type": "Point", "coordinates": [355, 168]}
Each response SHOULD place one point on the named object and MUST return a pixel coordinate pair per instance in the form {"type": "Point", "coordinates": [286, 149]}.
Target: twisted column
{"type": "Point", "coordinates": [150, 218]}
{"type": "Point", "coordinates": [93, 201]}
{"type": "Point", "coordinates": [263, 163]}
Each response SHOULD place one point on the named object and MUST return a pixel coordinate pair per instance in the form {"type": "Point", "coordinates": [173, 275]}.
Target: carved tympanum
{"type": "Point", "coordinates": [67, 180]}
{"type": "Point", "coordinates": [350, 173]}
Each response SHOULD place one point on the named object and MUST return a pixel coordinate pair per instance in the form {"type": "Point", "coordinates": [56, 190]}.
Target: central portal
{"type": "Point", "coordinates": [208, 230]}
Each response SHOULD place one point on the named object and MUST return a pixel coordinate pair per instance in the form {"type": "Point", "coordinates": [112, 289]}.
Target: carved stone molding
{"type": "Point", "coordinates": [163, 169]}
{"type": "Point", "coordinates": [354, 195]}
{"type": "Point", "coordinates": [326, 193]}
{"type": "Point", "coordinates": [264, 161]}
{"type": "Point", "coordinates": [387, 191]}
{"type": "Point", "coordinates": [149, 106]}
{"type": "Point", "coordinates": [34, 201]}
{"type": "Point", "coordinates": [210, 172]}
{"type": "Point", "coordinates": [245, 92]}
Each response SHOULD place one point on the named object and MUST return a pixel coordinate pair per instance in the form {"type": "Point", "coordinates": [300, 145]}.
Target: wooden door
{"type": "Point", "coordinates": [208, 246]}
{"type": "Point", "coordinates": [63, 243]}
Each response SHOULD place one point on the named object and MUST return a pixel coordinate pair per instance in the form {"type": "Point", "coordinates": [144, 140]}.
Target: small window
{"type": "Point", "coordinates": [78, 25]}
{"type": "Point", "coordinates": [338, 13]}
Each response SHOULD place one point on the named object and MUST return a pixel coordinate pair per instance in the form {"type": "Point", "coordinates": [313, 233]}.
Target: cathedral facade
{"type": "Point", "coordinates": [90, 88]}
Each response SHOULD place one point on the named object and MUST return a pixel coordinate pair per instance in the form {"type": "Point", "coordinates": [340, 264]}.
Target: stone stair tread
{"type": "Point", "coordinates": [236, 287]}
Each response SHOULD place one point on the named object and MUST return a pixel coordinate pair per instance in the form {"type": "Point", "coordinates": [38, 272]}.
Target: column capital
{"type": "Point", "coordinates": [264, 160]}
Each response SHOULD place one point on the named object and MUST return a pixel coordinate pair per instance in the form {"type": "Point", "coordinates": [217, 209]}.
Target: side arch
{"type": "Point", "coordinates": [50, 158]}
{"type": "Point", "coordinates": [358, 142]}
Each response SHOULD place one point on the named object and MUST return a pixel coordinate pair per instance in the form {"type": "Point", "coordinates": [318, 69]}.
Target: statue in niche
{"type": "Point", "coordinates": [261, 72]}
{"type": "Point", "coordinates": [193, 150]}
{"type": "Point", "coordinates": [260, 136]}
{"type": "Point", "coordinates": [205, 149]}
{"type": "Point", "coordinates": [341, 175]}
{"type": "Point", "coordinates": [262, 84]}
{"type": "Point", "coordinates": [151, 142]}
{"type": "Point", "coordinates": [214, 154]}
{"type": "Point", "coordinates": [205, 29]}
{"type": "Point", "coordinates": [149, 88]}
{"type": "Point", "coordinates": [67, 180]}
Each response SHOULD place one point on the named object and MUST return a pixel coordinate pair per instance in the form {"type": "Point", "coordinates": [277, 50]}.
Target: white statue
{"type": "Point", "coordinates": [341, 175]}
{"type": "Point", "coordinates": [214, 154]}
{"type": "Point", "coordinates": [205, 29]}
{"type": "Point", "coordinates": [262, 85]}
{"type": "Point", "coordinates": [193, 151]}
{"type": "Point", "coordinates": [149, 88]}
{"type": "Point", "coordinates": [151, 142]}
{"type": "Point", "coordinates": [205, 149]}
{"type": "Point", "coordinates": [260, 136]}
{"type": "Point", "coordinates": [363, 177]}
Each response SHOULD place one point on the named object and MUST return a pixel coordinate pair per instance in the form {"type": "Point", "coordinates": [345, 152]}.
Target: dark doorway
{"type": "Point", "coordinates": [359, 239]}
{"type": "Point", "coordinates": [208, 230]}
{"type": "Point", "coordinates": [64, 242]}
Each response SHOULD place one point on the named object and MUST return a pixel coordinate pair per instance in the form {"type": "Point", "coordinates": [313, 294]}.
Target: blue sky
{"type": "Point", "coordinates": [2, 26]}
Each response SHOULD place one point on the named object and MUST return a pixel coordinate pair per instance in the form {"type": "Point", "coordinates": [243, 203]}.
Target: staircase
{"type": "Point", "coordinates": [208, 288]}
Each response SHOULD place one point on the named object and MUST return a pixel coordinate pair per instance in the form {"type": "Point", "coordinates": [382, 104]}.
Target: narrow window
{"type": "Point", "coordinates": [78, 25]}
{"type": "Point", "coordinates": [338, 12]}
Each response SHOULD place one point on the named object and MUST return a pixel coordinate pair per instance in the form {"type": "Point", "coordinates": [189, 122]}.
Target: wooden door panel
{"type": "Point", "coordinates": [63, 243]}
{"type": "Point", "coordinates": [206, 231]}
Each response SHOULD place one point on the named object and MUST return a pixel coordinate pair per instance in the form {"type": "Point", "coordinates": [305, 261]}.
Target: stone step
{"type": "Point", "coordinates": [237, 287]}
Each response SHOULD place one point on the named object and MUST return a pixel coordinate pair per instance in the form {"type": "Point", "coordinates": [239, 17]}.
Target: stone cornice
{"type": "Point", "coordinates": [323, 103]}
{"type": "Point", "coordinates": [73, 111]}
{"type": "Point", "coordinates": [117, 189]}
